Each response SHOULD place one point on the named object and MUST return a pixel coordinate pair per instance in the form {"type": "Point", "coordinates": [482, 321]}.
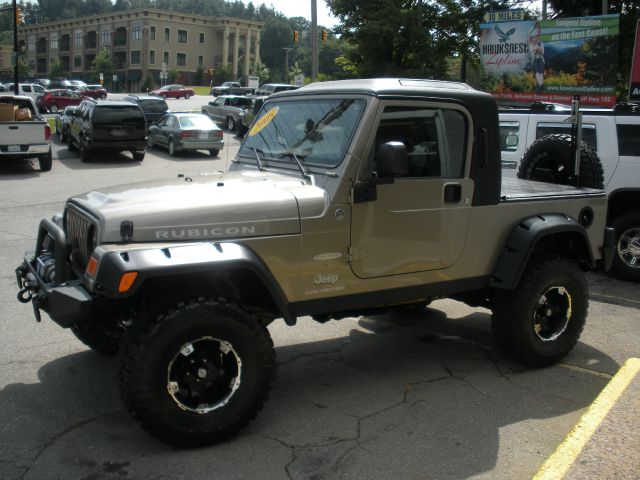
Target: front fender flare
{"type": "Point", "coordinates": [185, 259]}
{"type": "Point", "coordinates": [522, 241]}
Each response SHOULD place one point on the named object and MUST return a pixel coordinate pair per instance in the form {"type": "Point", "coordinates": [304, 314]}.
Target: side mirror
{"type": "Point", "coordinates": [392, 160]}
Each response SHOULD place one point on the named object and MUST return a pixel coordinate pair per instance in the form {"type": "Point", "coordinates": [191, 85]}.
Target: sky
{"type": "Point", "coordinates": [300, 8]}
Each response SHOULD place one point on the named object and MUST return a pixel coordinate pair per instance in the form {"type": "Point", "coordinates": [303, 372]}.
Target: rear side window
{"type": "Point", "coordinates": [588, 131]}
{"type": "Point", "coordinates": [629, 140]}
{"type": "Point", "coordinates": [509, 136]}
{"type": "Point", "coordinates": [125, 114]}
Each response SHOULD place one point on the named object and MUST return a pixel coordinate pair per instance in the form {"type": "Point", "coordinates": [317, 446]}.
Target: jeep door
{"type": "Point", "coordinates": [416, 221]}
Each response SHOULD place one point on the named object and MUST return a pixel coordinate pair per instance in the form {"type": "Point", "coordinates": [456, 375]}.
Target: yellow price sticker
{"type": "Point", "coordinates": [264, 121]}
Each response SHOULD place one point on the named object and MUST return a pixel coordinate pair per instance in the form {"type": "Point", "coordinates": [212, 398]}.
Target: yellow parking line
{"type": "Point", "coordinates": [559, 462]}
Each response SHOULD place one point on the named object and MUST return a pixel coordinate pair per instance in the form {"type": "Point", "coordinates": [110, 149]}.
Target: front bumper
{"type": "Point", "coordinates": [66, 301]}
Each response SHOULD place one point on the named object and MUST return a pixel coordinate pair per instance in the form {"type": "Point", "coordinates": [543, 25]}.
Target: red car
{"type": "Point", "coordinates": [93, 91]}
{"type": "Point", "coordinates": [54, 100]}
{"type": "Point", "coordinates": [173, 91]}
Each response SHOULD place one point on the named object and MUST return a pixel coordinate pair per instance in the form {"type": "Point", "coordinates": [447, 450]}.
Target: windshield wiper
{"type": "Point", "coordinates": [303, 169]}
{"type": "Point", "coordinates": [259, 162]}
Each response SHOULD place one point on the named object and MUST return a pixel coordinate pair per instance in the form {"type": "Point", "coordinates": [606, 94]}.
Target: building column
{"type": "Point", "coordinates": [236, 48]}
{"type": "Point", "coordinates": [257, 52]}
{"type": "Point", "coordinates": [247, 50]}
{"type": "Point", "coordinates": [225, 46]}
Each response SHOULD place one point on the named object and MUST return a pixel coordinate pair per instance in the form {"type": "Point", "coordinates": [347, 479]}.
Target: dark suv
{"type": "Point", "coordinates": [107, 126]}
{"type": "Point", "coordinates": [153, 107]}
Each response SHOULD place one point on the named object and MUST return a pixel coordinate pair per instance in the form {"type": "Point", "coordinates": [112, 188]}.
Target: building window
{"type": "Point", "coordinates": [136, 32]}
{"type": "Point", "coordinates": [152, 32]}
{"type": "Point", "coordinates": [135, 57]}
{"type": "Point", "coordinates": [201, 37]}
{"type": "Point", "coordinates": [54, 41]}
{"type": "Point", "coordinates": [182, 36]}
{"type": "Point", "coordinates": [181, 60]}
{"type": "Point", "coordinates": [167, 34]}
{"type": "Point", "coordinates": [31, 44]}
{"type": "Point", "coordinates": [77, 61]}
{"type": "Point", "coordinates": [165, 58]}
{"type": "Point", "coordinates": [105, 37]}
{"type": "Point", "coordinates": [77, 39]}
{"type": "Point", "coordinates": [152, 57]}
{"type": "Point", "coordinates": [200, 60]}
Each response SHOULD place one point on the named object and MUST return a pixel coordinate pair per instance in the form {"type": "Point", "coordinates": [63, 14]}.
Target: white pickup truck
{"type": "Point", "coordinates": [615, 135]}
{"type": "Point", "coordinates": [25, 138]}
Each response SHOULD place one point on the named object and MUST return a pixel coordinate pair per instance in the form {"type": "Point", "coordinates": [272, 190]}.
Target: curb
{"type": "Point", "coordinates": [559, 463]}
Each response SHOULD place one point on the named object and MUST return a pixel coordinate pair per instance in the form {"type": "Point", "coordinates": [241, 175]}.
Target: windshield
{"type": "Point", "coordinates": [316, 131]}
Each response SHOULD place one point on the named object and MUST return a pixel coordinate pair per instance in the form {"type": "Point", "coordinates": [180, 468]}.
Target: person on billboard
{"type": "Point", "coordinates": [536, 50]}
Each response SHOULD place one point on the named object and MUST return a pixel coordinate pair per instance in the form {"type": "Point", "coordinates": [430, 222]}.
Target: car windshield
{"type": "Point", "coordinates": [315, 131]}
{"type": "Point", "coordinates": [196, 121]}
{"type": "Point", "coordinates": [154, 106]}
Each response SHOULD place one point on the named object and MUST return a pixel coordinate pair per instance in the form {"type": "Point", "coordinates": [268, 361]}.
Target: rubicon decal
{"type": "Point", "coordinates": [264, 121]}
{"type": "Point", "coordinates": [178, 233]}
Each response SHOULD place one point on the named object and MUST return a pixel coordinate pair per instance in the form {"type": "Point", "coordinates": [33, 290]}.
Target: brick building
{"type": "Point", "coordinates": [141, 41]}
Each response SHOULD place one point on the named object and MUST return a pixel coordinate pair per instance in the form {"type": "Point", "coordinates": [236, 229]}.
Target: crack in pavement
{"type": "Point", "coordinates": [59, 435]}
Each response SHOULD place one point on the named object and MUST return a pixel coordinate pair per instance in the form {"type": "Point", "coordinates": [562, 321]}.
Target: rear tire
{"type": "Point", "coordinates": [548, 159]}
{"type": "Point", "coordinates": [213, 152]}
{"type": "Point", "coordinates": [187, 96]}
{"type": "Point", "coordinates": [626, 261]}
{"type": "Point", "coordinates": [198, 374]}
{"type": "Point", "coordinates": [85, 153]}
{"type": "Point", "coordinates": [137, 156]}
{"type": "Point", "coordinates": [45, 162]}
{"type": "Point", "coordinates": [53, 108]}
{"type": "Point", "coordinates": [172, 148]}
{"type": "Point", "coordinates": [540, 321]}
{"type": "Point", "coordinates": [231, 124]}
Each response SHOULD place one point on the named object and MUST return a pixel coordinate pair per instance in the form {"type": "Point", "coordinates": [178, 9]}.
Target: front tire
{"type": "Point", "coordinates": [548, 159]}
{"type": "Point", "coordinates": [626, 262]}
{"type": "Point", "coordinates": [198, 374]}
{"type": "Point", "coordinates": [231, 124]}
{"type": "Point", "coordinates": [53, 108]}
{"type": "Point", "coordinates": [137, 156]}
{"type": "Point", "coordinates": [172, 148]}
{"type": "Point", "coordinates": [99, 333]}
{"type": "Point", "coordinates": [540, 321]}
{"type": "Point", "coordinates": [187, 96]}
{"type": "Point", "coordinates": [85, 153]}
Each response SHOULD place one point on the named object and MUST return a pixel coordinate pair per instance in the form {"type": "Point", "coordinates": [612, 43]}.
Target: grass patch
{"type": "Point", "coordinates": [201, 90]}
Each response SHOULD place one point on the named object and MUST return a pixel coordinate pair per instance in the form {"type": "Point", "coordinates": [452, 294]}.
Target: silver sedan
{"type": "Point", "coordinates": [186, 131]}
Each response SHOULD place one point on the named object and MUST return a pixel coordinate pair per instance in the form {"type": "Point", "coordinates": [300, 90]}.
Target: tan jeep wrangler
{"type": "Point", "coordinates": [345, 198]}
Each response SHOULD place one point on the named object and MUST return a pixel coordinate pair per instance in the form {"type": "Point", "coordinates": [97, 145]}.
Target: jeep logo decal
{"type": "Point", "coordinates": [181, 233]}
{"type": "Point", "coordinates": [325, 279]}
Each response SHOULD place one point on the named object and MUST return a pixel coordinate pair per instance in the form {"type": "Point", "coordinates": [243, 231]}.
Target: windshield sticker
{"type": "Point", "coordinates": [264, 121]}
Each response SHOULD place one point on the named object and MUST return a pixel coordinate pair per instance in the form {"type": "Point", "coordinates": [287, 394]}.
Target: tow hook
{"type": "Point", "coordinates": [25, 295]}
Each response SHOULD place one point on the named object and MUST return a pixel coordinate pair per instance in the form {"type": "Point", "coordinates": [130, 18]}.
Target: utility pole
{"type": "Point", "coordinates": [286, 64]}
{"type": "Point", "coordinates": [314, 40]}
{"type": "Point", "coordinates": [15, 48]}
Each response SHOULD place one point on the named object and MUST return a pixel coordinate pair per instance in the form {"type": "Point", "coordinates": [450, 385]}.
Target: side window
{"type": "Point", "coordinates": [588, 131]}
{"type": "Point", "coordinates": [629, 140]}
{"type": "Point", "coordinates": [26, 88]}
{"type": "Point", "coordinates": [435, 139]}
{"type": "Point", "coordinates": [163, 121]}
{"type": "Point", "coordinates": [509, 136]}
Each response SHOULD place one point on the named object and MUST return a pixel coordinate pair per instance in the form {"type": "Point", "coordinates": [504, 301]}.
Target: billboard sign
{"type": "Point", "coordinates": [634, 81]}
{"type": "Point", "coordinates": [552, 60]}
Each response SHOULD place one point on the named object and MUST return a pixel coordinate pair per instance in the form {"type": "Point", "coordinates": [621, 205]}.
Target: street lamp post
{"type": "Point", "coordinates": [286, 64]}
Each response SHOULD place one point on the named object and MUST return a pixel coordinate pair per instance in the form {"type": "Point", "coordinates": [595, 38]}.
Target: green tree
{"type": "Point", "coordinates": [172, 75]}
{"type": "Point", "coordinates": [102, 64]}
{"type": "Point", "coordinates": [55, 68]}
{"type": "Point", "coordinates": [148, 84]}
{"type": "Point", "coordinates": [199, 76]}
{"type": "Point", "coordinates": [25, 68]}
{"type": "Point", "coordinates": [261, 70]}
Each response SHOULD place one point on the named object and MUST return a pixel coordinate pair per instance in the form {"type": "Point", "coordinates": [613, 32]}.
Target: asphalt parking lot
{"type": "Point", "coordinates": [410, 396]}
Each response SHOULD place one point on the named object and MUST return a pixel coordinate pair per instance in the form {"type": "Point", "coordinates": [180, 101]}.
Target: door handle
{"type": "Point", "coordinates": [452, 193]}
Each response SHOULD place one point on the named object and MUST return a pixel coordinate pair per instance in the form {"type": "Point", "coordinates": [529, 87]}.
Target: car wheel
{"type": "Point", "coordinates": [138, 156]}
{"type": "Point", "coordinates": [45, 162]}
{"type": "Point", "coordinates": [53, 108]}
{"type": "Point", "coordinates": [150, 141]}
{"type": "Point", "coordinates": [548, 159]}
{"type": "Point", "coordinates": [85, 152]}
{"type": "Point", "coordinates": [187, 96]}
{"type": "Point", "coordinates": [103, 96]}
{"type": "Point", "coordinates": [100, 333]}
{"type": "Point", "coordinates": [541, 320]}
{"type": "Point", "coordinates": [231, 124]}
{"type": "Point", "coordinates": [164, 96]}
{"type": "Point", "coordinates": [198, 374]}
{"type": "Point", "coordinates": [214, 152]}
{"type": "Point", "coordinates": [626, 261]}
{"type": "Point", "coordinates": [70, 145]}
{"type": "Point", "coordinates": [172, 148]}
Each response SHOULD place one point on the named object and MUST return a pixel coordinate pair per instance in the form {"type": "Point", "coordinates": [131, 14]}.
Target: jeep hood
{"type": "Point", "coordinates": [205, 207]}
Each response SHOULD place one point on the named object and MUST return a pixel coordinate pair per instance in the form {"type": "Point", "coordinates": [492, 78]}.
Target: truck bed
{"type": "Point", "coordinates": [516, 189]}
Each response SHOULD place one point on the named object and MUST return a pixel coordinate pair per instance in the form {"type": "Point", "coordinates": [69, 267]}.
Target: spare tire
{"type": "Point", "coordinates": [549, 159]}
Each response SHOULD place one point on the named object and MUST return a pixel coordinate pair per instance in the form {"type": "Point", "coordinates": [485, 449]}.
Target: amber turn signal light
{"type": "Point", "coordinates": [126, 280]}
{"type": "Point", "coordinates": [92, 266]}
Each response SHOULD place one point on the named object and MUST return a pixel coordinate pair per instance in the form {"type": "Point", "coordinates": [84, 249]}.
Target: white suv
{"type": "Point", "coordinates": [29, 89]}
{"type": "Point", "coordinates": [615, 135]}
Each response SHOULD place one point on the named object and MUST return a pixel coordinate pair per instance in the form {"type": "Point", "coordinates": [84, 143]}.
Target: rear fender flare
{"type": "Point", "coordinates": [522, 241]}
{"type": "Point", "coordinates": [181, 260]}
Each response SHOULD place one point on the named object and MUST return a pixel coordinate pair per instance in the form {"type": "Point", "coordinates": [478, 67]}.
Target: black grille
{"type": "Point", "coordinates": [80, 231]}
